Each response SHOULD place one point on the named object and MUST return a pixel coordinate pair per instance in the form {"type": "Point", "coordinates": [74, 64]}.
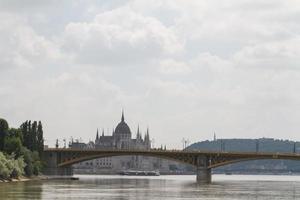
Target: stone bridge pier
{"type": "Point", "coordinates": [52, 159]}
{"type": "Point", "coordinates": [203, 172]}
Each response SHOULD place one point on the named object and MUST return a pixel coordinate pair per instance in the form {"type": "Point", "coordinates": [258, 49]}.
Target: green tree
{"type": "Point", "coordinates": [33, 137]}
{"type": "Point", "coordinates": [29, 141]}
{"type": "Point", "coordinates": [3, 132]}
{"type": "Point", "coordinates": [13, 144]}
{"type": "Point", "coordinates": [40, 137]}
{"type": "Point", "coordinates": [16, 132]}
{"type": "Point", "coordinates": [25, 132]}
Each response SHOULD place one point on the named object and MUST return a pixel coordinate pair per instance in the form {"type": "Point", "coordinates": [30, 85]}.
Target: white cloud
{"type": "Point", "coordinates": [170, 66]}
{"type": "Point", "coordinates": [21, 46]}
{"type": "Point", "coordinates": [276, 55]}
{"type": "Point", "coordinates": [122, 34]}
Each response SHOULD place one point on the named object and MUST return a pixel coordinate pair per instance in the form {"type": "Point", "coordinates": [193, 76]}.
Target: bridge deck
{"type": "Point", "coordinates": [193, 152]}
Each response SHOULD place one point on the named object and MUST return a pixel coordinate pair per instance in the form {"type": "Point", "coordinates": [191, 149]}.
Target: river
{"type": "Point", "coordinates": [152, 188]}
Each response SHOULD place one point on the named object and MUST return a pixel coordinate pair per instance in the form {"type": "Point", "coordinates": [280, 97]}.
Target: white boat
{"type": "Point", "coordinates": [139, 173]}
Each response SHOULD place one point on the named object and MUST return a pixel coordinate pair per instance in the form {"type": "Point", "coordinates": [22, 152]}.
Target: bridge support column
{"type": "Point", "coordinates": [203, 172]}
{"type": "Point", "coordinates": [51, 160]}
{"type": "Point", "coordinates": [203, 175]}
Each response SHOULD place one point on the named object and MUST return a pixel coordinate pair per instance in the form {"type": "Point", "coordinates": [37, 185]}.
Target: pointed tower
{"type": "Point", "coordinates": [103, 132]}
{"type": "Point", "coordinates": [97, 136]}
{"type": "Point", "coordinates": [122, 118]}
{"type": "Point", "coordinates": [122, 135]}
{"type": "Point", "coordinates": [147, 135]}
{"type": "Point", "coordinates": [147, 140]}
{"type": "Point", "coordinates": [138, 136]}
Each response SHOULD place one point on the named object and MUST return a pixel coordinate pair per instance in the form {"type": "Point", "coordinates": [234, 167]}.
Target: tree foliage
{"type": "Point", "coordinates": [3, 132]}
{"type": "Point", "coordinates": [11, 167]}
{"type": "Point", "coordinates": [13, 144]}
{"type": "Point", "coordinates": [33, 135]}
{"type": "Point", "coordinates": [20, 149]}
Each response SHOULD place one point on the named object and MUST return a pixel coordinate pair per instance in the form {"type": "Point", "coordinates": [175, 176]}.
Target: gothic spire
{"type": "Point", "coordinates": [97, 136]}
{"type": "Point", "coordinates": [102, 132]}
{"type": "Point", "coordinates": [147, 132]}
{"type": "Point", "coordinates": [138, 133]}
{"type": "Point", "coordinates": [147, 136]}
{"type": "Point", "coordinates": [122, 118]}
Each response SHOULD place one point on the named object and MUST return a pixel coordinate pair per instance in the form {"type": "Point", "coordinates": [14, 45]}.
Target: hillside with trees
{"type": "Point", "coordinates": [254, 145]}
{"type": "Point", "coordinates": [20, 149]}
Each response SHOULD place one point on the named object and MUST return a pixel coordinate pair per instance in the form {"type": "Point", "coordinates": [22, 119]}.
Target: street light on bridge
{"type": "Point", "coordinates": [257, 145]}
{"type": "Point", "coordinates": [222, 145]}
{"type": "Point", "coordinates": [185, 143]}
{"type": "Point", "coordinates": [56, 144]}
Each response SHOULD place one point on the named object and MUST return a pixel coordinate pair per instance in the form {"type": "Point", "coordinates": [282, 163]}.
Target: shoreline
{"type": "Point", "coordinates": [24, 179]}
{"type": "Point", "coordinates": [37, 178]}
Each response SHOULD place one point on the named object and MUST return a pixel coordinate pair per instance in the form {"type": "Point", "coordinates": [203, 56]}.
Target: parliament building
{"type": "Point", "coordinates": [121, 138]}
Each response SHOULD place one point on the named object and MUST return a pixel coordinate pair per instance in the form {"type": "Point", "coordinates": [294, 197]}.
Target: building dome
{"type": "Point", "coordinates": [122, 128]}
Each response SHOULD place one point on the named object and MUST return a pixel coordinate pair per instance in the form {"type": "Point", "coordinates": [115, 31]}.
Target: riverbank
{"type": "Point", "coordinates": [23, 179]}
{"type": "Point", "coordinates": [38, 178]}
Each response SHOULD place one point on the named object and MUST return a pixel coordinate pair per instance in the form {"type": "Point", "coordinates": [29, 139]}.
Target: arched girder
{"type": "Point", "coordinates": [181, 159]}
{"type": "Point", "coordinates": [67, 157]}
{"type": "Point", "coordinates": [237, 160]}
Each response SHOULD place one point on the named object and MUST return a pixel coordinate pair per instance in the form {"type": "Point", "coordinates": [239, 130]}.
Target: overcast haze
{"type": "Point", "coordinates": [183, 68]}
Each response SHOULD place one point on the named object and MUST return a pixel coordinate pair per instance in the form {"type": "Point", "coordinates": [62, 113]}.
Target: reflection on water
{"type": "Point", "coordinates": [162, 187]}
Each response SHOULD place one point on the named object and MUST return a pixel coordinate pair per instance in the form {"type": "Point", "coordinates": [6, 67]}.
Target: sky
{"type": "Point", "coordinates": [185, 69]}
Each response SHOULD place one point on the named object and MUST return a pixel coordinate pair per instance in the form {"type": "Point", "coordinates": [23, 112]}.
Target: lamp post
{"type": "Point", "coordinates": [56, 144]}
{"type": "Point", "coordinates": [222, 145]}
{"type": "Point", "coordinates": [257, 145]}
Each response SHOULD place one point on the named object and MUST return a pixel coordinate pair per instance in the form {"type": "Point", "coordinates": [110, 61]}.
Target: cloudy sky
{"type": "Point", "coordinates": [183, 68]}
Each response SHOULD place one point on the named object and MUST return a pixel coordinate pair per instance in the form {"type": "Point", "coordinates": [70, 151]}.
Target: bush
{"type": "Point", "coordinates": [37, 165]}
{"type": "Point", "coordinates": [11, 168]}
{"type": "Point", "coordinates": [4, 171]}
{"type": "Point", "coordinates": [19, 166]}
{"type": "Point", "coordinates": [28, 160]}
{"type": "Point", "coordinates": [32, 161]}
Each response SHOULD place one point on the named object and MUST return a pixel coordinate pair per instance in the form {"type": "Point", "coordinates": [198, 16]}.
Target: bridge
{"type": "Point", "coordinates": [59, 161]}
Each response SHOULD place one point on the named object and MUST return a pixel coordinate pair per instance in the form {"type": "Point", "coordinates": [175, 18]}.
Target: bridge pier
{"type": "Point", "coordinates": [51, 160]}
{"type": "Point", "coordinates": [203, 172]}
{"type": "Point", "coordinates": [203, 175]}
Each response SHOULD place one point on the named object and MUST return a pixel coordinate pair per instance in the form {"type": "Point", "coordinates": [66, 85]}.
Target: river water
{"type": "Point", "coordinates": [152, 188]}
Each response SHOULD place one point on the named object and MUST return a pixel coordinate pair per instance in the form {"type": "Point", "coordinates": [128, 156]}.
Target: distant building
{"type": "Point", "coordinates": [78, 145]}
{"type": "Point", "coordinates": [121, 138]}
